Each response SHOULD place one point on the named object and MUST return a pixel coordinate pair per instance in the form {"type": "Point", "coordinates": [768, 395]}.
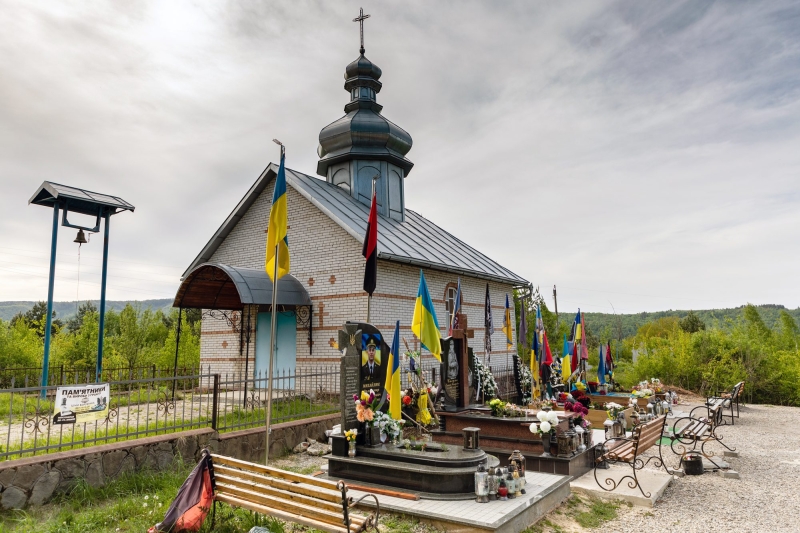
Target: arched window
{"type": "Point", "coordinates": [449, 300]}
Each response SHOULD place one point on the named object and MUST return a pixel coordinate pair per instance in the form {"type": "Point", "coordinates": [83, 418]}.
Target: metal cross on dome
{"type": "Point", "coordinates": [360, 19]}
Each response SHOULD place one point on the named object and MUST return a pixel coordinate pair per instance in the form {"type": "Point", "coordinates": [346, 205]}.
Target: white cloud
{"type": "Point", "coordinates": [640, 154]}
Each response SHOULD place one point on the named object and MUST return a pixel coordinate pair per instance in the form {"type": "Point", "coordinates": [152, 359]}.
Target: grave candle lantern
{"type": "Point", "coordinates": [512, 486]}
{"type": "Point", "coordinates": [481, 485]}
{"type": "Point", "coordinates": [493, 482]}
{"type": "Point", "coordinates": [563, 444]}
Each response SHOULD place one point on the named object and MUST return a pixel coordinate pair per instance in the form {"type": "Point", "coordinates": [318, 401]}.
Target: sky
{"type": "Point", "coordinates": [639, 156]}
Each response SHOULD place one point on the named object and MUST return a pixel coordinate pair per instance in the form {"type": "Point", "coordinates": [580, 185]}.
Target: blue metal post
{"type": "Point", "coordinates": [101, 331]}
{"type": "Point", "coordinates": [50, 284]}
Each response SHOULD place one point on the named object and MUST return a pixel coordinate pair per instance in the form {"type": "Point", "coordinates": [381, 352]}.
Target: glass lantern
{"type": "Point", "coordinates": [519, 460]}
{"type": "Point", "coordinates": [580, 431]}
{"type": "Point", "coordinates": [481, 484]}
{"type": "Point", "coordinates": [494, 481]}
{"type": "Point", "coordinates": [564, 442]}
{"type": "Point", "coordinates": [511, 484]}
{"type": "Point", "coordinates": [517, 483]}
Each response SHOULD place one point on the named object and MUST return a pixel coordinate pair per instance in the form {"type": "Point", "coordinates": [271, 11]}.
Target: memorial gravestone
{"type": "Point", "coordinates": [349, 373]}
{"type": "Point", "coordinates": [362, 369]}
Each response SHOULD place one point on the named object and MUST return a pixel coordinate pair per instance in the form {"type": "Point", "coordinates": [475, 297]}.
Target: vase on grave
{"type": "Point", "coordinates": [546, 444]}
{"type": "Point", "coordinates": [374, 434]}
{"type": "Point", "coordinates": [351, 448]}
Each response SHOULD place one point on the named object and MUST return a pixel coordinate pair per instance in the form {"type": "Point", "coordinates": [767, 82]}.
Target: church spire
{"type": "Point", "coordinates": [363, 143]}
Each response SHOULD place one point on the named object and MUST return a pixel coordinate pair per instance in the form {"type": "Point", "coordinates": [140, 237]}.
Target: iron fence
{"type": "Point", "coordinates": [30, 376]}
{"type": "Point", "coordinates": [137, 408]}
{"type": "Point", "coordinates": [300, 393]}
{"type": "Point", "coordinates": [152, 404]}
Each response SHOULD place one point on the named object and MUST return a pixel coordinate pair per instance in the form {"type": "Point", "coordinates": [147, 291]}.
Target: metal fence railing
{"type": "Point", "coordinates": [148, 404]}
{"type": "Point", "coordinates": [300, 393]}
{"type": "Point", "coordinates": [30, 376]}
{"type": "Point", "coordinates": [137, 408]}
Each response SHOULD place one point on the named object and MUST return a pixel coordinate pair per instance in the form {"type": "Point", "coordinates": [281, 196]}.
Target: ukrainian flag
{"type": "Point", "coordinates": [507, 325]}
{"type": "Point", "coordinates": [278, 222]}
{"type": "Point", "coordinates": [424, 323]}
{"type": "Point", "coordinates": [566, 371]}
{"type": "Point", "coordinates": [393, 376]}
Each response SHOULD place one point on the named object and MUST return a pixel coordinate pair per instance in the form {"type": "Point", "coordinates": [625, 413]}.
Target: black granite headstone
{"type": "Point", "coordinates": [349, 373]}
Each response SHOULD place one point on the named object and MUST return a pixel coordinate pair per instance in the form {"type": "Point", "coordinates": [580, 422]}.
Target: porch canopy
{"type": "Point", "coordinates": [219, 286]}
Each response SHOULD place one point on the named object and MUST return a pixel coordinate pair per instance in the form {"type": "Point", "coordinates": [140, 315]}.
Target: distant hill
{"type": "Point", "coordinates": [605, 324]}
{"type": "Point", "coordinates": [65, 310]}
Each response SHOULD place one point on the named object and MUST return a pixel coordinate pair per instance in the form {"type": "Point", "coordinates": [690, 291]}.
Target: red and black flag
{"type": "Point", "coordinates": [193, 502]}
{"type": "Point", "coordinates": [370, 250]}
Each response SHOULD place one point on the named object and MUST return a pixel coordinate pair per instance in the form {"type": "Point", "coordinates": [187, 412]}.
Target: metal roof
{"type": "Point", "coordinates": [416, 241]}
{"type": "Point", "coordinates": [79, 200]}
{"type": "Point", "coordinates": [219, 286]}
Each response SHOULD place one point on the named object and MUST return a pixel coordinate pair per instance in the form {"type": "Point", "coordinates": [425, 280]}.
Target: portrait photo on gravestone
{"type": "Point", "coordinates": [372, 375]}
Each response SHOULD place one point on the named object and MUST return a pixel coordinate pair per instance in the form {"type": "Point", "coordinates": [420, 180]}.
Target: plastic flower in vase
{"type": "Point", "coordinates": [366, 405]}
{"type": "Point", "coordinates": [350, 435]}
{"type": "Point", "coordinates": [548, 420]}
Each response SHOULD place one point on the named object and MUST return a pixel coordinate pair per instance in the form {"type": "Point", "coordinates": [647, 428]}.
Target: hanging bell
{"type": "Point", "coordinates": [81, 238]}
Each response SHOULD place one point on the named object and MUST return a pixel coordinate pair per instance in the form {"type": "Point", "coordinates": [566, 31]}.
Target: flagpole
{"type": "Point", "coordinates": [272, 338]}
{"type": "Point", "coordinates": [272, 343]}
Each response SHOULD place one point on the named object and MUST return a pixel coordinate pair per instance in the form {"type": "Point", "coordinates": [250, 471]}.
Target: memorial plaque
{"type": "Point", "coordinates": [349, 373]}
{"type": "Point", "coordinates": [451, 372]}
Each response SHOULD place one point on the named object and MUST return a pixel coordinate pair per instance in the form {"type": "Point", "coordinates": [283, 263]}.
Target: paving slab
{"type": "Point", "coordinates": [544, 492]}
{"type": "Point", "coordinates": [652, 482]}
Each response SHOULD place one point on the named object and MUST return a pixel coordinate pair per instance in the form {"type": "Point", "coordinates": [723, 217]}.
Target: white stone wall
{"type": "Point", "coordinates": [328, 262]}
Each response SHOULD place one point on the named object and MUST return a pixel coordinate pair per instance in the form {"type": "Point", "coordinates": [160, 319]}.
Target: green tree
{"type": "Point", "coordinates": [75, 323]}
{"type": "Point", "coordinates": [36, 318]}
{"type": "Point", "coordinates": [691, 323]}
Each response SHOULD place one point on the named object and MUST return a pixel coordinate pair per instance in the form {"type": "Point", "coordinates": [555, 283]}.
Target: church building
{"type": "Point", "coordinates": [327, 217]}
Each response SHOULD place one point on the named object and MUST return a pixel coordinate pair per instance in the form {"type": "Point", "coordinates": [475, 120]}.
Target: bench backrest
{"type": "Point", "coordinates": [646, 435]}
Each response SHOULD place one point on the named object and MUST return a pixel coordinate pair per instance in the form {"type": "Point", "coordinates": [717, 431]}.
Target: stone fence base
{"type": "Point", "coordinates": [35, 480]}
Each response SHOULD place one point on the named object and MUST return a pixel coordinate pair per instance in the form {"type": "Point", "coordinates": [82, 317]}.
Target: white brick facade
{"type": "Point", "coordinates": [328, 262]}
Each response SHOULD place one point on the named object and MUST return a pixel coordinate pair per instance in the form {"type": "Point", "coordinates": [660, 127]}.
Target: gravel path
{"type": "Point", "coordinates": [765, 499]}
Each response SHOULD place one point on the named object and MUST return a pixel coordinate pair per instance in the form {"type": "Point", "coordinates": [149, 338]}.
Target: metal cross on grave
{"type": "Point", "coordinates": [360, 19]}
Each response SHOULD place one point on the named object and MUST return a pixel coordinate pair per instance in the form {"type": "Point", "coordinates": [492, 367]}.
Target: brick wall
{"type": "Point", "coordinates": [328, 262]}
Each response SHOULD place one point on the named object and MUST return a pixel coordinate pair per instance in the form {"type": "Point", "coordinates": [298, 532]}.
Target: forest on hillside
{"type": "Point", "coordinates": [705, 352]}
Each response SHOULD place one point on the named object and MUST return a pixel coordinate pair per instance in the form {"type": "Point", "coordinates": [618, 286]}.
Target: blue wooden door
{"type": "Point", "coordinates": [286, 352]}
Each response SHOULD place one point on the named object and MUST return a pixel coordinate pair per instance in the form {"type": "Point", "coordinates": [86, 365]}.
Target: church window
{"type": "Point", "coordinates": [450, 299]}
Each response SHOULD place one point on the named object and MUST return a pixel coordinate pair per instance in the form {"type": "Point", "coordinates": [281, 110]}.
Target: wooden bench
{"type": "Point", "coordinates": [306, 500]}
{"type": "Point", "coordinates": [695, 431]}
{"type": "Point", "coordinates": [729, 400]}
{"type": "Point", "coordinates": [629, 449]}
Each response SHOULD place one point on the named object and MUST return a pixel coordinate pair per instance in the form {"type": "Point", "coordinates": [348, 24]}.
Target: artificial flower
{"type": "Point", "coordinates": [545, 426]}
{"type": "Point", "coordinates": [533, 427]}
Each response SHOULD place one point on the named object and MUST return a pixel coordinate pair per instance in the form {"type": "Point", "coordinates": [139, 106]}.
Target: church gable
{"type": "Point", "coordinates": [320, 249]}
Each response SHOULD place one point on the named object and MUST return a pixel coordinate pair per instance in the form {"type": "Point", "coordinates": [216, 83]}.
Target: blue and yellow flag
{"type": "Point", "coordinates": [278, 222]}
{"type": "Point", "coordinates": [393, 376]}
{"type": "Point", "coordinates": [507, 326]}
{"type": "Point", "coordinates": [424, 323]}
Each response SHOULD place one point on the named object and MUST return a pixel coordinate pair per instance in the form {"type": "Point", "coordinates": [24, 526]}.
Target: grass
{"type": "Point", "coordinates": [588, 513]}
{"type": "Point", "coordinates": [282, 411]}
{"type": "Point", "coordinates": [599, 512]}
{"type": "Point", "coordinates": [136, 502]}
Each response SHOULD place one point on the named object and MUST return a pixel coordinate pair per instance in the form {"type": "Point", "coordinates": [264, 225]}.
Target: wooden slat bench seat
{"type": "Point", "coordinates": [692, 431]}
{"type": "Point", "coordinates": [729, 400]}
{"type": "Point", "coordinates": [628, 450]}
{"type": "Point", "coordinates": [306, 500]}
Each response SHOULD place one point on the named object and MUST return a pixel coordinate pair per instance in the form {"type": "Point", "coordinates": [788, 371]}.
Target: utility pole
{"type": "Point", "coordinates": [555, 299]}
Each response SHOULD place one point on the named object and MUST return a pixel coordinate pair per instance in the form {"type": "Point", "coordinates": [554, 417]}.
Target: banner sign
{"type": "Point", "coordinates": [81, 403]}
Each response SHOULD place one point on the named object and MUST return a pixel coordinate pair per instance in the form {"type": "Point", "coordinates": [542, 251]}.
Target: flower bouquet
{"type": "Point", "coordinates": [366, 405]}
{"type": "Point", "coordinates": [389, 427]}
{"type": "Point", "coordinates": [548, 420]}
{"type": "Point", "coordinates": [497, 406]}
{"type": "Point", "coordinates": [613, 410]}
